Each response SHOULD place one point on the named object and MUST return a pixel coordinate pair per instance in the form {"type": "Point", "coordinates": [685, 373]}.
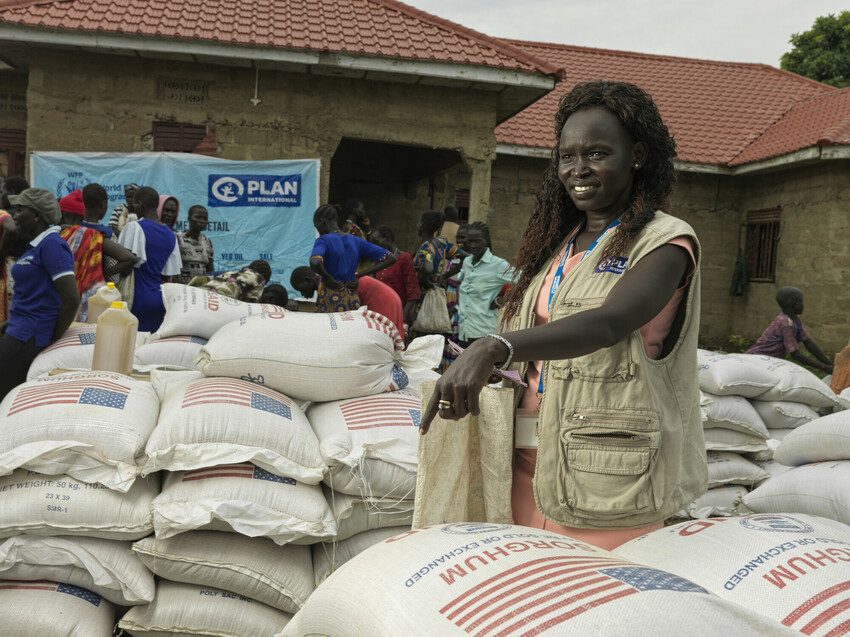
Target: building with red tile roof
{"type": "Point", "coordinates": [722, 114]}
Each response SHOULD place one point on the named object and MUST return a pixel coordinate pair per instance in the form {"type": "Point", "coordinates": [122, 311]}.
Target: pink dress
{"type": "Point", "coordinates": [653, 334]}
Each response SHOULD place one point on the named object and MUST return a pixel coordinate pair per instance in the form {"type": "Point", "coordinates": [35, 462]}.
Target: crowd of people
{"type": "Point", "coordinates": [56, 253]}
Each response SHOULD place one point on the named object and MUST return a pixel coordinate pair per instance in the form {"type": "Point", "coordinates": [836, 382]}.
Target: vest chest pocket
{"type": "Point", "coordinates": [609, 473]}
{"type": "Point", "coordinates": [611, 365]}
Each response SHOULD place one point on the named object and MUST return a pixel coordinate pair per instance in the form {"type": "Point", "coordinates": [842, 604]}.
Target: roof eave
{"type": "Point", "coordinates": [797, 158]}
{"type": "Point", "coordinates": [405, 70]}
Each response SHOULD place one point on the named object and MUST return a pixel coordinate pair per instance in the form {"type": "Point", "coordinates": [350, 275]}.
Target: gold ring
{"type": "Point", "coordinates": [445, 404]}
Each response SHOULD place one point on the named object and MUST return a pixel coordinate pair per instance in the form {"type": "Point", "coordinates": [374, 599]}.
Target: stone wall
{"type": "Point", "coordinates": [12, 87]}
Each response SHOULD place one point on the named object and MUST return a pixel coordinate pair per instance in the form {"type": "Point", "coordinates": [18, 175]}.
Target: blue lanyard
{"type": "Point", "coordinates": [559, 273]}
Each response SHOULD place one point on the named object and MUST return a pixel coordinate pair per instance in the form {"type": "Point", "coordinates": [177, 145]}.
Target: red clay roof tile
{"type": "Point", "coordinates": [719, 112]}
{"type": "Point", "coordinates": [386, 28]}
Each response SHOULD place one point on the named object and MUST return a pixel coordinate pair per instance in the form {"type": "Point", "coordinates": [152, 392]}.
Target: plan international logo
{"type": "Point", "coordinates": [254, 191]}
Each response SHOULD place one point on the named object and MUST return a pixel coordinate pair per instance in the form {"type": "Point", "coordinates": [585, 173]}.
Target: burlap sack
{"type": "Point", "coordinates": [465, 467]}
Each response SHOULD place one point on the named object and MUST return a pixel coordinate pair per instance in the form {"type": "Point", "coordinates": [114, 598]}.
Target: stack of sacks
{"type": "Point", "coordinates": [242, 472]}
{"type": "Point", "coordinates": [819, 482]}
{"type": "Point", "coordinates": [74, 351]}
{"type": "Point", "coordinates": [354, 371]}
{"type": "Point", "coordinates": [71, 503]}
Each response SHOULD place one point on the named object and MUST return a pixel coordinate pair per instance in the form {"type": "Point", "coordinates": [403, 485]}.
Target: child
{"type": "Point", "coordinates": [783, 336]}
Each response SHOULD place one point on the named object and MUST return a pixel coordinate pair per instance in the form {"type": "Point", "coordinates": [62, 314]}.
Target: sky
{"type": "Point", "coordinates": [729, 30]}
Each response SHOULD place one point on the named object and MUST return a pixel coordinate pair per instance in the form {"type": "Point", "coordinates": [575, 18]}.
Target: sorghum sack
{"type": "Point", "coordinates": [317, 357]}
{"type": "Point", "coordinates": [796, 384]}
{"type": "Point", "coordinates": [827, 438]}
{"type": "Point", "coordinates": [191, 311]}
{"type": "Point", "coordinates": [185, 609]}
{"type": "Point", "coordinates": [329, 556]}
{"type": "Point", "coordinates": [74, 350]}
{"type": "Point", "coordinates": [726, 375]}
{"type": "Point", "coordinates": [370, 444]}
{"type": "Point", "coordinates": [461, 579]}
{"type": "Point", "coordinates": [774, 468]}
{"type": "Point", "coordinates": [255, 567]}
{"type": "Point", "coordinates": [243, 498]}
{"type": "Point", "coordinates": [719, 501]}
{"type": "Point", "coordinates": [816, 489]}
{"type": "Point", "coordinates": [35, 504]}
{"type": "Point", "coordinates": [105, 567]}
{"type": "Point", "coordinates": [33, 609]}
{"type": "Point", "coordinates": [90, 425]}
{"type": "Point", "coordinates": [172, 351]}
{"type": "Point", "coordinates": [721, 439]}
{"type": "Point", "coordinates": [790, 568]}
{"type": "Point", "coordinates": [726, 467]}
{"type": "Point", "coordinates": [732, 412]}
{"type": "Point", "coordinates": [781, 414]}
{"type": "Point", "coordinates": [357, 515]}
{"type": "Point", "coordinates": [210, 421]}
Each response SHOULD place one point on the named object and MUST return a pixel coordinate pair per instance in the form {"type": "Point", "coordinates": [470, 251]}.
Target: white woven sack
{"type": "Point", "coordinates": [790, 568]}
{"type": "Point", "coordinates": [105, 567]}
{"type": "Point", "coordinates": [719, 501]}
{"type": "Point", "coordinates": [774, 469]}
{"type": "Point", "coordinates": [186, 609]}
{"type": "Point", "coordinates": [371, 444]}
{"type": "Point", "coordinates": [720, 439]}
{"type": "Point", "coordinates": [781, 414]}
{"type": "Point", "coordinates": [732, 412]}
{"type": "Point", "coordinates": [725, 467]}
{"type": "Point", "coordinates": [827, 438]}
{"type": "Point", "coordinates": [172, 351]}
{"type": "Point", "coordinates": [462, 579]}
{"type": "Point", "coordinates": [317, 357]}
{"type": "Point", "coordinates": [776, 437]}
{"type": "Point", "coordinates": [193, 311]}
{"type": "Point", "coordinates": [329, 556]}
{"type": "Point", "coordinates": [74, 350]}
{"type": "Point", "coordinates": [255, 567]}
{"type": "Point", "coordinates": [89, 425]}
{"type": "Point", "coordinates": [209, 421]}
{"type": "Point", "coordinates": [816, 489]}
{"type": "Point", "coordinates": [33, 609]}
{"type": "Point", "coordinates": [726, 375]}
{"type": "Point", "coordinates": [243, 498]}
{"type": "Point", "coordinates": [357, 515]}
{"type": "Point", "coordinates": [35, 504]}
{"type": "Point", "coordinates": [796, 384]}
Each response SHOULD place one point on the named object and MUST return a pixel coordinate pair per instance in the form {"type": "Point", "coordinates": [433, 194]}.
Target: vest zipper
{"type": "Point", "coordinates": [610, 418]}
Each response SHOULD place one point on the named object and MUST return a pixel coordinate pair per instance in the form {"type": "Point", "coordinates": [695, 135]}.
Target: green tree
{"type": "Point", "coordinates": [823, 52]}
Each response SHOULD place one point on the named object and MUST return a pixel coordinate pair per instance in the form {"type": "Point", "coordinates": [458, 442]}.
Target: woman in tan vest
{"type": "Point", "coordinates": [603, 326]}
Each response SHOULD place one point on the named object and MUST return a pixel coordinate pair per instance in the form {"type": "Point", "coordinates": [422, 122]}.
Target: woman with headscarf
{"type": "Point", "coordinates": [155, 246]}
{"type": "Point", "coordinates": [90, 248]}
{"type": "Point", "coordinates": [168, 210]}
{"type": "Point", "coordinates": [45, 298]}
{"type": "Point", "coordinates": [603, 322]}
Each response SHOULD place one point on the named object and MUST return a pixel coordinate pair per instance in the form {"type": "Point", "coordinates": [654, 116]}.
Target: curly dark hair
{"type": "Point", "coordinates": [483, 228]}
{"type": "Point", "coordinates": [555, 215]}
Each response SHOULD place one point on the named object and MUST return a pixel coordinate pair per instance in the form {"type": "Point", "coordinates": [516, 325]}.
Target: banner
{"type": "Point", "coordinates": [257, 209]}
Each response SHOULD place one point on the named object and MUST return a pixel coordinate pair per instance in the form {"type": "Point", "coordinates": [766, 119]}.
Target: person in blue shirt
{"type": "Point", "coordinates": [96, 201]}
{"type": "Point", "coordinates": [45, 298]}
{"type": "Point", "coordinates": [481, 279]}
{"type": "Point", "coordinates": [155, 246]}
{"type": "Point", "coordinates": [335, 257]}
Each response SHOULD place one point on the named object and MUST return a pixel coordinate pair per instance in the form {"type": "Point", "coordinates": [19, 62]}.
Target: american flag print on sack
{"type": "Point", "coordinates": [401, 410]}
{"type": "Point", "coordinates": [245, 470]}
{"type": "Point", "coordinates": [195, 340]}
{"type": "Point", "coordinates": [381, 323]}
{"type": "Point", "coordinates": [531, 598]}
{"type": "Point", "coordinates": [85, 391]}
{"type": "Point", "coordinates": [211, 391]}
{"type": "Point", "coordinates": [45, 585]}
{"type": "Point", "coordinates": [827, 613]}
{"type": "Point", "coordinates": [74, 337]}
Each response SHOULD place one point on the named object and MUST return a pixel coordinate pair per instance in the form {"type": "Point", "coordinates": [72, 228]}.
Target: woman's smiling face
{"type": "Point", "coordinates": [597, 158]}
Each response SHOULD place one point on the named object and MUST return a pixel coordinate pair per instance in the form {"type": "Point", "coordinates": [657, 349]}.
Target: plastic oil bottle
{"type": "Point", "coordinates": [115, 340]}
{"type": "Point", "coordinates": [101, 301]}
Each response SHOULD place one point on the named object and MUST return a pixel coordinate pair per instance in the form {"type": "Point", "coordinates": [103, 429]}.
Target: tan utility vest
{"type": "Point", "coordinates": [621, 441]}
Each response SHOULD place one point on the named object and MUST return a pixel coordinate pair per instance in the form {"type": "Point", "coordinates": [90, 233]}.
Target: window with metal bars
{"type": "Point", "coordinates": [762, 244]}
{"type": "Point", "coordinates": [177, 138]}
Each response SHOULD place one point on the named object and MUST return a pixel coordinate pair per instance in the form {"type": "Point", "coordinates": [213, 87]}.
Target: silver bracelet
{"type": "Point", "coordinates": [507, 344]}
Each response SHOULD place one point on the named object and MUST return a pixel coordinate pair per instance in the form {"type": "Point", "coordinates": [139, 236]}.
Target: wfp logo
{"type": "Point", "coordinates": [254, 190]}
